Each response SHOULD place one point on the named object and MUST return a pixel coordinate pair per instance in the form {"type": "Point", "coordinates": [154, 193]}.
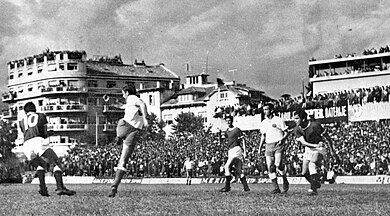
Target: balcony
{"type": "Point", "coordinates": [10, 114]}
{"type": "Point", "coordinates": [64, 108]}
{"type": "Point", "coordinates": [111, 109]}
{"type": "Point", "coordinates": [63, 89]}
{"type": "Point", "coordinates": [67, 127]}
{"type": "Point", "coordinates": [109, 127]}
{"type": "Point", "coordinates": [8, 97]}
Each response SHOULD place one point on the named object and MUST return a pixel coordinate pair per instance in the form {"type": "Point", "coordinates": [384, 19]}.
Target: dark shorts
{"type": "Point", "coordinates": [272, 148]}
{"type": "Point", "coordinates": [189, 173]}
{"type": "Point", "coordinates": [127, 132]}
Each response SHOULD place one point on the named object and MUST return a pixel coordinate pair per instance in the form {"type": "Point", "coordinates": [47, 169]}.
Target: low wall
{"type": "Point", "coordinates": [379, 179]}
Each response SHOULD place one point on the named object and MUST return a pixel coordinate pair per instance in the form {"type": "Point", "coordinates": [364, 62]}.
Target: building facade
{"type": "Point", "coordinates": [207, 100]}
{"type": "Point", "coordinates": [76, 92]}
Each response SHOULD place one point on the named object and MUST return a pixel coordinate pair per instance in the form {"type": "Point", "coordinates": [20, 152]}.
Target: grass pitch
{"type": "Point", "coordinates": [204, 199]}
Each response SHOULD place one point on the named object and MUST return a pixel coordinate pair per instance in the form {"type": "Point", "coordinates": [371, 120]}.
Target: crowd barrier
{"type": "Point", "coordinates": [379, 179]}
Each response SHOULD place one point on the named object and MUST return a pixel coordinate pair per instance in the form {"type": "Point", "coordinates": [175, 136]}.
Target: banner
{"type": "Point", "coordinates": [323, 115]}
{"type": "Point", "coordinates": [369, 111]}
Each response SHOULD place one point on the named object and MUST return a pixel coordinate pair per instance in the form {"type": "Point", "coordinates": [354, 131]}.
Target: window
{"type": "Point", "coordinates": [72, 66]}
{"type": "Point", "coordinates": [111, 84]}
{"type": "Point", "coordinates": [151, 100]}
{"type": "Point", "coordinates": [11, 76]}
{"type": "Point", "coordinates": [92, 101]}
{"type": "Point", "coordinates": [168, 118]}
{"type": "Point", "coordinates": [51, 67]}
{"type": "Point", "coordinates": [20, 89]}
{"type": "Point", "coordinates": [62, 83]}
{"type": "Point", "coordinates": [30, 87]}
{"type": "Point", "coordinates": [92, 83]}
{"type": "Point", "coordinates": [20, 74]}
{"type": "Point", "coordinates": [53, 83]}
{"type": "Point", "coordinates": [73, 83]}
{"type": "Point", "coordinates": [203, 115]}
{"type": "Point", "coordinates": [30, 72]}
{"type": "Point", "coordinates": [39, 70]}
{"type": "Point", "coordinates": [61, 66]}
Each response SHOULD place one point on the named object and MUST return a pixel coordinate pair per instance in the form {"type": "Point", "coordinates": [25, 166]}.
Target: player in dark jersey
{"type": "Point", "coordinates": [235, 155]}
{"type": "Point", "coordinates": [38, 151]}
{"type": "Point", "coordinates": [311, 135]}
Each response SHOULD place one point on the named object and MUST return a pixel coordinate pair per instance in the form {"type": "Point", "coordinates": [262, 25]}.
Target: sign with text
{"type": "Point", "coordinates": [324, 115]}
{"type": "Point", "coordinates": [369, 111]}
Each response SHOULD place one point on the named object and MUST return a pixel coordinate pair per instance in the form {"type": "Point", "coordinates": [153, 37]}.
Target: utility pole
{"type": "Point", "coordinates": [97, 129]}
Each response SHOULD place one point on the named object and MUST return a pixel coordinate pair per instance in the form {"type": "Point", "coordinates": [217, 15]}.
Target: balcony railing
{"type": "Point", "coordinates": [64, 108]}
{"type": "Point", "coordinates": [67, 127]}
{"type": "Point", "coordinates": [109, 127]}
{"type": "Point", "coordinates": [7, 114]}
{"type": "Point", "coordinates": [110, 108]}
{"type": "Point", "coordinates": [7, 97]}
{"type": "Point", "coordinates": [62, 89]}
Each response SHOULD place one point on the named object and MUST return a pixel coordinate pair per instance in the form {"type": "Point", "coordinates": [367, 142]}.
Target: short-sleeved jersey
{"type": "Point", "coordinates": [133, 114]}
{"type": "Point", "coordinates": [233, 136]}
{"type": "Point", "coordinates": [273, 129]}
{"type": "Point", "coordinates": [312, 133]}
{"type": "Point", "coordinates": [33, 125]}
{"type": "Point", "coordinates": [188, 164]}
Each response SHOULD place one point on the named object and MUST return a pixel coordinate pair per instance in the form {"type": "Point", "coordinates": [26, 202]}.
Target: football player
{"type": "Point", "coordinates": [311, 135]}
{"type": "Point", "coordinates": [37, 150]}
{"type": "Point", "coordinates": [273, 133]}
{"type": "Point", "coordinates": [235, 155]}
{"type": "Point", "coordinates": [128, 129]}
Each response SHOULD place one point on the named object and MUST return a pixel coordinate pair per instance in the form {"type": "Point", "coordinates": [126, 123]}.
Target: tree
{"type": "Point", "coordinates": [187, 124]}
{"type": "Point", "coordinates": [155, 130]}
{"type": "Point", "coordinates": [8, 135]}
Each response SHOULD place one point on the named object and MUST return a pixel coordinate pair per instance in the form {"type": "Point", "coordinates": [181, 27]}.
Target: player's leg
{"type": "Point", "coordinates": [272, 173]}
{"type": "Point", "coordinates": [121, 131]}
{"type": "Point", "coordinates": [228, 176]}
{"type": "Point", "coordinates": [29, 149]}
{"type": "Point", "coordinates": [305, 165]}
{"type": "Point", "coordinates": [282, 169]}
{"type": "Point", "coordinates": [51, 158]}
{"type": "Point", "coordinates": [270, 160]}
{"type": "Point", "coordinates": [41, 166]}
{"type": "Point", "coordinates": [127, 149]}
{"type": "Point", "coordinates": [313, 169]}
{"type": "Point", "coordinates": [239, 172]}
{"type": "Point", "coordinates": [189, 176]}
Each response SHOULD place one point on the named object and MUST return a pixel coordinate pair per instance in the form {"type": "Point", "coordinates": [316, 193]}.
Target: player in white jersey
{"type": "Point", "coordinates": [273, 133]}
{"type": "Point", "coordinates": [37, 150]}
{"type": "Point", "coordinates": [128, 129]}
{"type": "Point", "coordinates": [188, 167]}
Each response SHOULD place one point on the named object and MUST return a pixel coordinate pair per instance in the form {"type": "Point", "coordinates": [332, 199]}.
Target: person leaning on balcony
{"type": "Point", "coordinates": [128, 129]}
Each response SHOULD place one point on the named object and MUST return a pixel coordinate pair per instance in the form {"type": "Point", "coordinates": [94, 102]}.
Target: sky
{"type": "Point", "coordinates": [267, 43]}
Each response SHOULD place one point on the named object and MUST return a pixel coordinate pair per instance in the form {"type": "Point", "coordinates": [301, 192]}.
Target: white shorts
{"type": "Point", "coordinates": [35, 147]}
{"type": "Point", "coordinates": [310, 152]}
{"type": "Point", "coordinates": [235, 152]}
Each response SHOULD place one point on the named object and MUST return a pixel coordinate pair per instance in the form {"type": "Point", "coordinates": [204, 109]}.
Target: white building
{"type": "Point", "coordinates": [204, 98]}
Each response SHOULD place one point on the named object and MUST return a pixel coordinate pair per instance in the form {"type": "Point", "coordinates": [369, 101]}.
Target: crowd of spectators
{"type": "Point", "coordinates": [362, 148]}
{"type": "Point", "coordinates": [353, 67]}
{"type": "Point", "coordinates": [323, 100]}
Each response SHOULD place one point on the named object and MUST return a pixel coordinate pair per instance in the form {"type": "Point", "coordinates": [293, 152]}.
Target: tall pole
{"type": "Point", "coordinates": [97, 129]}
{"type": "Point", "coordinates": [207, 62]}
{"type": "Point", "coordinates": [303, 88]}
